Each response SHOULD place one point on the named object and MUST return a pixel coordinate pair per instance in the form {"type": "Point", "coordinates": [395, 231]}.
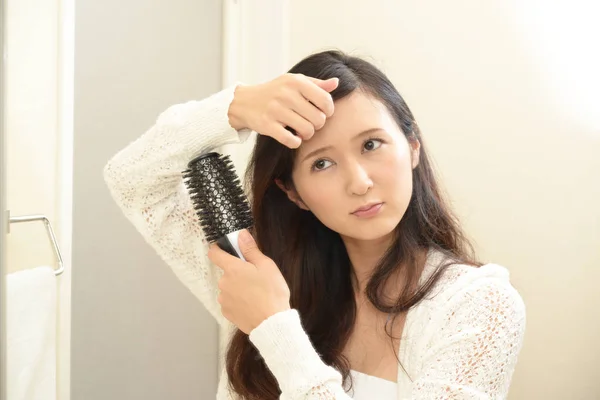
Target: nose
{"type": "Point", "coordinates": [359, 181]}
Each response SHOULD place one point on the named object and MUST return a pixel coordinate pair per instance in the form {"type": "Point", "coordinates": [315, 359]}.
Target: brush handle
{"type": "Point", "coordinates": [229, 243]}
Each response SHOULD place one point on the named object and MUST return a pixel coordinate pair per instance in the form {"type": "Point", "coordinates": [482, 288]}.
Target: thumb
{"type": "Point", "coordinates": [248, 247]}
{"type": "Point", "coordinates": [328, 85]}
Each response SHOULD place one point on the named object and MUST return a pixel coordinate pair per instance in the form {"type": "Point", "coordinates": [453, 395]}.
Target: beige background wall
{"type": "Point", "coordinates": [521, 162]}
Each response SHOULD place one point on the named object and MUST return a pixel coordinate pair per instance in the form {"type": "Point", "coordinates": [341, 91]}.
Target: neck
{"type": "Point", "coordinates": [364, 256]}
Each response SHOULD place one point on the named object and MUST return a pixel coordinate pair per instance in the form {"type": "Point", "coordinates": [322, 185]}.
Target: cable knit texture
{"type": "Point", "coordinates": [461, 342]}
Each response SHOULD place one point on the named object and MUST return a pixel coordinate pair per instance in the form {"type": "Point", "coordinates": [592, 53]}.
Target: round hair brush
{"type": "Point", "coordinates": [219, 200]}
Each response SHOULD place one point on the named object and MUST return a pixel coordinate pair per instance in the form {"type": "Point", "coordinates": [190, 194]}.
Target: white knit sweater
{"type": "Point", "coordinates": [460, 343]}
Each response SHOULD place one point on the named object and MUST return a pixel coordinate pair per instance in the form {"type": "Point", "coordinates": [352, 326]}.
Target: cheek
{"type": "Point", "coordinates": [319, 195]}
{"type": "Point", "coordinates": [322, 196]}
{"type": "Point", "coordinates": [396, 179]}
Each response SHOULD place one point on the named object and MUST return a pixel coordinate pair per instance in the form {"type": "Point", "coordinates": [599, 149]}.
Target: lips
{"type": "Point", "coordinates": [366, 207]}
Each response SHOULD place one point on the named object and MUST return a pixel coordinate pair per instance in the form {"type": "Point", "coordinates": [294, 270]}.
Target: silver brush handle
{"type": "Point", "coordinates": [229, 243]}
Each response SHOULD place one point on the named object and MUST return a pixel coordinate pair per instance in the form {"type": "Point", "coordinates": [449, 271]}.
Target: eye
{"type": "Point", "coordinates": [371, 145]}
{"type": "Point", "coordinates": [320, 165]}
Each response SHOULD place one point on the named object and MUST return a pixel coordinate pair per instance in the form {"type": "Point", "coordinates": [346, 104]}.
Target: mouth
{"type": "Point", "coordinates": [367, 209]}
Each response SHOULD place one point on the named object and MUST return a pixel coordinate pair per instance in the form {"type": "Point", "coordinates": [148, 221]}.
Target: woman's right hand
{"type": "Point", "coordinates": [294, 101]}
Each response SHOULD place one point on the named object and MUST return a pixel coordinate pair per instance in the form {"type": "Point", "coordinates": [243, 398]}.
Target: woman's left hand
{"type": "Point", "coordinates": [251, 290]}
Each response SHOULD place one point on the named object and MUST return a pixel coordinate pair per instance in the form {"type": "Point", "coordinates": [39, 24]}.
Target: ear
{"type": "Point", "coordinates": [415, 146]}
{"type": "Point", "coordinates": [292, 195]}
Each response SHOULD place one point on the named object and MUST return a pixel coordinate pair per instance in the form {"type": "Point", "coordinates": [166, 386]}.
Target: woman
{"type": "Point", "coordinates": [359, 282]}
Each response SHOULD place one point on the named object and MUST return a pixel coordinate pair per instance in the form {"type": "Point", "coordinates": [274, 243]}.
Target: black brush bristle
{"type": "Point", "coordinates": [217, 195]}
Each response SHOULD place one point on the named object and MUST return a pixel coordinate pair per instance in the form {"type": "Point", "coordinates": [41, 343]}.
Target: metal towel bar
{"type": "Point", "coordinates": [49, 230]}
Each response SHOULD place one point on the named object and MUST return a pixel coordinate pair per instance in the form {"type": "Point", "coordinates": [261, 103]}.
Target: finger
{"type": "Point", "coordinates": [301, 126]}
{"type": "Point", "coordinates": [319, 97]}
{"type": "Point", "coordinates": [329, 85]}
{"type": "Point", "coordinates": [249, 248]}
{"type": "Point", "coordinates": [284, 136]}
{"type": "Point", "coordinates": [222, 259]}
{"type": "Point", "coordinates": [308, 111]}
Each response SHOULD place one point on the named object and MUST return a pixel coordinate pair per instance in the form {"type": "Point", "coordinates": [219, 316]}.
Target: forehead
{"type": "Point", "coordinates": [352, 114]}
{"type": "Point", "coordinates": [357, 109]}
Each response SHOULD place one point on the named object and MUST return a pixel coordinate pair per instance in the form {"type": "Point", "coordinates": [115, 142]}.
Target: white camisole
{"type": "Point", "coordinates": [368, 387]}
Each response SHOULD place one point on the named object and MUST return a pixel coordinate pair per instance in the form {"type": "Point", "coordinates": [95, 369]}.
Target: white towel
{"type": "Point", "coordinates": [31, 333]}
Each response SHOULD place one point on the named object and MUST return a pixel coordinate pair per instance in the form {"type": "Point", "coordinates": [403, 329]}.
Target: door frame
{"type": "Point", "coordinates": [3, 217]}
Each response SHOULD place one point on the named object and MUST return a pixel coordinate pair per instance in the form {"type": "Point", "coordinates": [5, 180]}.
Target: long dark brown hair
{"type": "Point", "coordinates": [313, 258]}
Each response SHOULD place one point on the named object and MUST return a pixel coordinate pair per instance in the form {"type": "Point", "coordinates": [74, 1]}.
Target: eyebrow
{"type": "Point", "coordinates": [325, 148]}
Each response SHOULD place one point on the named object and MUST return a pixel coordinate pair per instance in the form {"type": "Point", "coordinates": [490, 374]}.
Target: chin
{"type": "Point", "coordinates": [371, 230]}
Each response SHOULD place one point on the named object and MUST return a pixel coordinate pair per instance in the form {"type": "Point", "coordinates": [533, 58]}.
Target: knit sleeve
{"type": "Point", "coordinates": [291, 357]}
{"type": "Point", "coordinates": [145, 180]}
{"type": "Point", "coordinates": [473, 353]}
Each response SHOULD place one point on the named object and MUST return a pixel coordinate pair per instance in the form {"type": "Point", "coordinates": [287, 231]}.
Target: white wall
{"type": "Point", "coordinates": [138, 333]}
{"type": "Point", "coordinates": [521, 167]}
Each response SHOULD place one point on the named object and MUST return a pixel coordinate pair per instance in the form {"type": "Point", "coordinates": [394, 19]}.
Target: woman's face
{"type": "Point", "coordinates": [359, 158]}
